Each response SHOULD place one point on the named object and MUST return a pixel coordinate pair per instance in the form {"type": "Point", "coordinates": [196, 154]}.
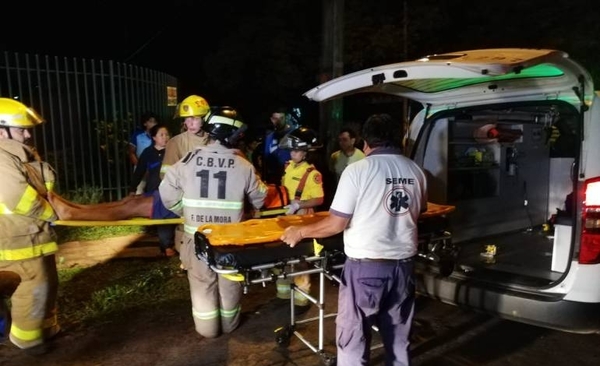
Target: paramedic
{"type": "Point", "coordinates": [376, 204]}
{"type": "Point", "coordinates": [27, 242]}
{"type": "Point", "coordinates": [304, 185]}
{"type": "Point", "coordinates": [210, 185]}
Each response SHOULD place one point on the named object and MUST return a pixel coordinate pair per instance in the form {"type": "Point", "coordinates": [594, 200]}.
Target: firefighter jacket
{"type": "Point", "coordinates": [179, 146]}
{"type": "Point", "coordinates": [25, 214]}
{"type": "Point", "coordinates": [210, 185]}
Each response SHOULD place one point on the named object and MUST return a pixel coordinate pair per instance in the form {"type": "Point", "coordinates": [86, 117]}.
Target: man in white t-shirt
{"type": "Point", "coordinates": [346, 155]}
{"type": "Point", "coordinates": [377, 204]}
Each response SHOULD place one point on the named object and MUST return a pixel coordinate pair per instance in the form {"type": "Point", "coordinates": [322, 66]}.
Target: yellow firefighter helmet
{"type": "Point", "coordinates": [192, 106]}
{"type": "Point", "coordinates": [17, 114]}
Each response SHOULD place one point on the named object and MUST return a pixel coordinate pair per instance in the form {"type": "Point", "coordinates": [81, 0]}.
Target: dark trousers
{"type": "Point", "coordinates": [166, 236]}
{"type": "Point", "coordinates": [380, 293]}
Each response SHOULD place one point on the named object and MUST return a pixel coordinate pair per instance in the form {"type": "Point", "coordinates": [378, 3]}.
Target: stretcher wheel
{"type": "Point", "coordinates": [283, 335]}
{"type": "Point", "coordinates": [328, 359]}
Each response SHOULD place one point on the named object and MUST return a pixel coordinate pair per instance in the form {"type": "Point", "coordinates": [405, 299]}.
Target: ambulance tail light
{"type": "Point", "coordinates": [589, 252]}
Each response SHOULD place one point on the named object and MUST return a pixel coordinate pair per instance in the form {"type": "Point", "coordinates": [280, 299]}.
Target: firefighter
{"type": "Point", "coordinates": [210, 185]}
{"type": "Point", "coordinates": [192, 110]}
{"type": "Point", "coordinates": [304, 185]}
{"type": "Point", "coordinates": [27, 241]}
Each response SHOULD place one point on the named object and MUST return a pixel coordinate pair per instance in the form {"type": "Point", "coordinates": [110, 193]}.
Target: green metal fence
{"type": "Point", "coordinates": [91, 108]}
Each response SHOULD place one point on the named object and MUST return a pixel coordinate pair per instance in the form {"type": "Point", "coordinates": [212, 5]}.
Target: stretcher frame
{"type": "Point", "coordinates": [324, 264]}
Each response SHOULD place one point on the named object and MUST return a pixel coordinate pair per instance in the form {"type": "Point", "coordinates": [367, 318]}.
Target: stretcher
{"type": "Point", "coordinates": [252, 253]}
{"type": "Point", "coordinates": [237, 247]}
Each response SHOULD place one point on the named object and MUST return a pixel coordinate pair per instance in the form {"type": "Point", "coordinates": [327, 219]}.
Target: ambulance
{"type": "Point", "coordinates": [511, 138]}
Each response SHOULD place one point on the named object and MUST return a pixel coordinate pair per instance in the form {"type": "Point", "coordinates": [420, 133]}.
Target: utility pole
{"type": "Point", "coordinates": [332, 66]}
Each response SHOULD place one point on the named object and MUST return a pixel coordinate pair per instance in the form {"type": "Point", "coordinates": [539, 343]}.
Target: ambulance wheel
{"type": "Point", "coordinates": [283, 335]}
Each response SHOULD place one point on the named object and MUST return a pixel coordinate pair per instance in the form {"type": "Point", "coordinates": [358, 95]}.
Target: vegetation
{"type": "Point", "coordinates": [105, 292]}
{"type": "Point", "coordinates": [88, 296]}
{"type": "Point", "coordinates": [91, 195]}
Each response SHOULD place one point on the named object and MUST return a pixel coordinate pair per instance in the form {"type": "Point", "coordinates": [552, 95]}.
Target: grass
{"type": "Point", "coordinates": [101, 293]}
{"type": "Point", "coordinates": [74, 233]}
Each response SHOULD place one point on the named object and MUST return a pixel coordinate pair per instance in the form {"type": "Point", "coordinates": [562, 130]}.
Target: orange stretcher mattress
{"type": "Point", "coordinates": [255, 231]}
{"type": "Point", "coordinates": [255, 242]}
{"type": "Point", "coordinates": [268, 230]}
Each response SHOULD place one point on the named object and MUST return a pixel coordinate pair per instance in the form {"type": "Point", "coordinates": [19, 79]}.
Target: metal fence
{"type": "Point", "coordinates": [91, 108]}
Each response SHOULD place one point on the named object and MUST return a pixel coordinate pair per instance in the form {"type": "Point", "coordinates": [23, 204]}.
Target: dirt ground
{"type": "Point", "coordinates": [165, 336]}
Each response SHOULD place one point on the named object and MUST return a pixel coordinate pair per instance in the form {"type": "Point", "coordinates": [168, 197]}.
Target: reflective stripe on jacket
{"type": "Point", "coordinates": [210, 185]}
{"type": "Point", "coordinates": [25, 214]}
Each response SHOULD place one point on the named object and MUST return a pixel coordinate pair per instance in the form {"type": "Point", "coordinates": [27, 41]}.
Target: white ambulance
{"type": "Point", "coordinates": [511, 138]}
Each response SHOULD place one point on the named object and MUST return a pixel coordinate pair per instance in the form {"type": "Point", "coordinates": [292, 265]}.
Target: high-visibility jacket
{"type": "Point", "coordinates": [25, 214]}
{"type": "Point", "coordinates": [313, 184]}
{"type": "Point", "coordinates": [179, 146]}
{"type": "Point", "coordinates": [210, 185]}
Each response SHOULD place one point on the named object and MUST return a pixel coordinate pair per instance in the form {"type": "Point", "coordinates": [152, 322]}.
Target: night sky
{"type": "Point", "coordinates": [256, 54]}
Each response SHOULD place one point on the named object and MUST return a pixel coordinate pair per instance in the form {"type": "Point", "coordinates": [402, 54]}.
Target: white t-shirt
{"type": "Point", "coordinates": [383, 195]}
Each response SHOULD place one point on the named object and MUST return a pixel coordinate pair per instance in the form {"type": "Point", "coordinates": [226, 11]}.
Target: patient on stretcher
{"type": "Point", "coordinates": [147, 206]}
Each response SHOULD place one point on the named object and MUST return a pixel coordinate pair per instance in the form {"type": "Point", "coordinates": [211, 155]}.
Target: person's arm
{"type": "Point", "coordinates": [132, 148]}
{"type": "Point", "coordinates": [132, 156]}
{"type": "Point", "coordinates": [171, 192]}
{"type": "Point", "coordinates": [310, 203]}
{"type": "Point", "coordinates": [20, 198]}
{"type": "Point", "coordinates": [171, 156]}
{"type": "Point", "coordinates": [140, 169]}
{"type": "Point", "coordinates": [329, 226]}
{"type": "Point", "coordinates": [424, 193]}
{"type": "Point", "coordinates": [257, 189]}
{"type": "Point", "coordinates": [332, 160]}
